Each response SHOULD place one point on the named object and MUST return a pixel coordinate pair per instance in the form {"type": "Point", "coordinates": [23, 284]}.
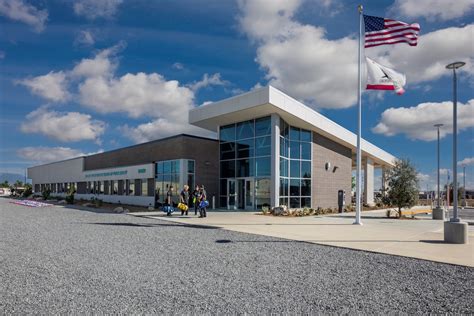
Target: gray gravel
{"type": "Point", "coordinates": [59, 260]}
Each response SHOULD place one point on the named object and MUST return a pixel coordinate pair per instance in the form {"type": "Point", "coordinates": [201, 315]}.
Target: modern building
{"type": "Point", "coordinates": [270, 150]}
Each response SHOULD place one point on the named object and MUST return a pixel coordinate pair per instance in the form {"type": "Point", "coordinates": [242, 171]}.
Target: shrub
{"type": "Point", "coordinates": [28, 190]}
{"type": "Point", "coordinates": [70, 196]}
{"type": "Point", "coordinates": [46, 194]}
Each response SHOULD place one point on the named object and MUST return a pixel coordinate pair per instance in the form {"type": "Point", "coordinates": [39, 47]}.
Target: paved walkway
{"type": "Point", "coordinates": [419, 238]}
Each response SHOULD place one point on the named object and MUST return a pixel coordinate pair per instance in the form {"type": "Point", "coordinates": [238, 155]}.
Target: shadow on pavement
{"type": "Point", "coordinates": [154, 225]}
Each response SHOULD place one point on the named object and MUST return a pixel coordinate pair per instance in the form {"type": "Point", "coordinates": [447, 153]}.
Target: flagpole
{"type": "Point", "coordinates": [359, 125]}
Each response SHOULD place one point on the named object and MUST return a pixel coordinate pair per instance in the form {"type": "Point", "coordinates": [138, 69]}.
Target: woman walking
{"type": "Point", "coordinates": [196, 198]}
{"type": "Point", "coordinates": [203, 202]}
{"type": "Point", "coordinates": [184, 199]}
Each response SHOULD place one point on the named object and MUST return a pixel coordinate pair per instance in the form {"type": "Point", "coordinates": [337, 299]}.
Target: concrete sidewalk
{"type": "Point", "coordinates": [418, 238]}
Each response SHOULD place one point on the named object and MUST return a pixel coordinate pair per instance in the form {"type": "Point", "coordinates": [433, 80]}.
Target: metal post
{"type": "Point", "coordinates": [438, 201]}
{"type": "Point", "coordinates": [455, 150]}
{"type": "Point", "coordinates": [464, 185]}
{"type": "Point", "coordinates": [359, 125]}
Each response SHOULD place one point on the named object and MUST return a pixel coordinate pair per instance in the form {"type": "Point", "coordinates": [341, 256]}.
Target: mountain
{"type": "Point", "coordinates": [11, 177]}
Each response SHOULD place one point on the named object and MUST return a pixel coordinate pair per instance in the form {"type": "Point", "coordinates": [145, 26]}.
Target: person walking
{"type": "Point", "coordinates": [169, 200]}
{"type": "Point", "coordinates": [202, 202]}
{"type": "Point", "coordinates": [184, 199]}
{"type": "Point", "coordinates": [196, 198]}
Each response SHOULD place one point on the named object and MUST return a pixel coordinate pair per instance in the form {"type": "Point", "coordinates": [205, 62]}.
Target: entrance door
{"type": "Point", "coordinates": [249, 185]}
{"type": "Point", "coordinates": [245, 194]}
{"type": "Point", "coordinates": [231, 195]}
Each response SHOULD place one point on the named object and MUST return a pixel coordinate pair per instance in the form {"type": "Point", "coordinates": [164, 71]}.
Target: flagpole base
{"type": "Point", "coordinates": [357, 223]}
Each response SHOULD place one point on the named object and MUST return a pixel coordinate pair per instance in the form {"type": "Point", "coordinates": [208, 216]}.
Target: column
{"type": "Point", "coordinates": [368, 181]}
{"type": "Point", "coordinates": [275, 162]}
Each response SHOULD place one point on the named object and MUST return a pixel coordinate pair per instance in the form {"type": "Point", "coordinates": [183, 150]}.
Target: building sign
{"type": "Point", "coordinates": [106, 174]}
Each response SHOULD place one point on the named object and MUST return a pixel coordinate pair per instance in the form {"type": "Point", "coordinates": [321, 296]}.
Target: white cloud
{"type": "Point", "coordinates": [444, 172]}
{"type": "Point", "coordinates": [85, 38]}
{"type": "Point", "coordinates": [433, 9]}
{"type": "Point", "coordinates": [42, 154]}
{"type": "Point", "coordinates": [178, 66]}
{"type": "Point", "coordinates": [103, 64]}
{"type": "Point", "coordinates": [65, 127]}
{"type": "Point", "coordinates": [212, 80]}
{"type": "Point", "coordinates": [93, 9]}
{"type": "Point", "coordinates": [428, 60]}
{"type": "Point", "coordinates": [137, 95]}
{"type": "Point", "coordinates": [52, 86]}
{"type": "Point", "coordinates": [18, 10]}
{"type": "Point", "coordinates": [417, 122]}
{"type": "Point", "coordinates": [468, 161]}
{"type": "Point", "coordinates": [160, 128]}
{"type": "Point", "coordinates": [298, 58]}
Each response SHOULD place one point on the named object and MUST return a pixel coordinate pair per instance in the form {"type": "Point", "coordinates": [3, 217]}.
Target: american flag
{"type": "Point", "coordinates": [381, 31]}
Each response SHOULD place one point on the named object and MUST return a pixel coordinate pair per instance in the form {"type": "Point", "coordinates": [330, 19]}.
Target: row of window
{"type": "Point", "coordinates": [250, 167]}
{"type": "Point", "coordinates": [107, 187]}
{"type": "Point", "coordinates": [247, 129]}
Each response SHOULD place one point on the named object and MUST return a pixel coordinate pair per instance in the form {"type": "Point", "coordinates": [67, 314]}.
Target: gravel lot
{"type": "Point", "coordinates": [60, 260]}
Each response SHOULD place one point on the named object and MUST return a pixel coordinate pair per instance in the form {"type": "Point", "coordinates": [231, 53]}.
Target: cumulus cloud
{"type": "Point", "coordinates": [160, 128]}
{"type": "Point", "coordinates": [468, 161]}
{"type": "Point", "coordinates": [19, 10]}
{"type": "Point", "coordinates": [417, 122]}
{"type": "Point", "coordinates": [85, 38]}
{"type": "Point", "coordinates": [137, 95]}
{"type": "Point", "coordinates": [433, 9]}
{"type": "Point", "coordinates": [435, 50]}
{"type": "Point", "coordinates": [298, 57]}
{"type": "Point", "coordinates": [151, 95]}
{"type": "Point", "coordinates": [103, 64]}
{"type": "Point", "coordinates": [93, 9]}
{"type": "Point", "coordinates": [65, 127]}
{"type": "Point", "coordinates": [52, 86]}
{"type": "Point", "coordinates": [208, 80]}
{"type": "Point", "coordinates": [42, 154]}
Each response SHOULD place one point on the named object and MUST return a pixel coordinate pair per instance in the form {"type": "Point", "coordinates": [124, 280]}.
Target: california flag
{"type": "Point", "coordinates": [383, 78]}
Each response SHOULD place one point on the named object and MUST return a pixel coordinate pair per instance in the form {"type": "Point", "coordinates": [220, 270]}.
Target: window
{"type": "Point", "coordinates": [227, 133]}
{"type": "Point", "coordinates": [295, 166]}
{"type": "Point", "coordinates": [144, 187]}
{"type": "Point", "coordinates": [263, 126]}
{"type": "Point", "coordinates": [176, 173]}
{"type": "Point", "coordinates": [245, 149]}
{"type": "Point", "coordinates": [131, 187]}
{"type": "Point", "coordinates": [245, 130]}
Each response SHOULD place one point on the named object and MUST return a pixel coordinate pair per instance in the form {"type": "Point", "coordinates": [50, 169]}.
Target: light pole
{"type": "Point", "coordinates": [464, 186]}
{"type": "Point", "coordinates": [455, 231]}
{"type": "Point", "coordinates": [455, 66]}
{"type": "Point", "coordinates": [438, 212]}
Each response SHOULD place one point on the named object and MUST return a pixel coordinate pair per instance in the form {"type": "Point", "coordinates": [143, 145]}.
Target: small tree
{"type": "Point", "coordinates": [403, 184]}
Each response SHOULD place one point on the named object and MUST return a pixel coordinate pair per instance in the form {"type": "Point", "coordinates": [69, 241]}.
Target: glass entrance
{"type": "Point", "coordinates": [231, 195]}
{"type": "Point", "coordinates": [245, 194]}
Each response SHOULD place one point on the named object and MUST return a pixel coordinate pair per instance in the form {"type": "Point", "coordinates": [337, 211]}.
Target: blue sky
{"type": "Point", "coordinates": [71, 71]}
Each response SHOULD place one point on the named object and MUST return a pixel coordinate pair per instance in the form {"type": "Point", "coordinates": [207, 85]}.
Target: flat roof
{"type": "Point", "coordinates": [268, 100]}
{"type": "Point", "coordinates": [127, 147]}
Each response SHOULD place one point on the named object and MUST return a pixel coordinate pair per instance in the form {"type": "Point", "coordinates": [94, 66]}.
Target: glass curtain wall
{"type": "Point", "coordinates": [174, 173]}
{"type": "Point", "coordinates": [245, 149]}
{"type": "Point", "coordinates": [295, 166]}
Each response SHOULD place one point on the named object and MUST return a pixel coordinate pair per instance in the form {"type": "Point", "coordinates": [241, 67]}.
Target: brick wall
{"type": "Point", "coordinates": [204, 151]}
{"type": "Point", "coordinates": [326, 183]}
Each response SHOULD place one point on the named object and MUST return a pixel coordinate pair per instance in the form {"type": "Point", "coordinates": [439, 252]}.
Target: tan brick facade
{"type": "Point", "coordinates": [326, 183]}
